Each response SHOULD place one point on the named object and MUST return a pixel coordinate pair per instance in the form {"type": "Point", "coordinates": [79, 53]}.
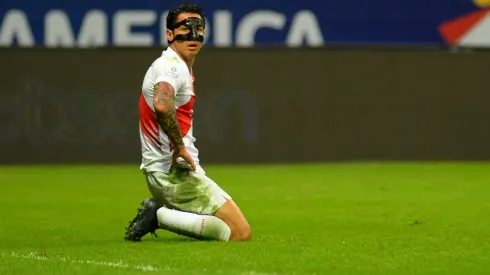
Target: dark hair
{"type": "Point", "coordinates": [183, 8]}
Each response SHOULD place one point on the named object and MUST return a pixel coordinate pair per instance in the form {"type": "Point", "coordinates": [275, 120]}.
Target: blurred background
{"type": "Point", "coordinates": [278, 81]}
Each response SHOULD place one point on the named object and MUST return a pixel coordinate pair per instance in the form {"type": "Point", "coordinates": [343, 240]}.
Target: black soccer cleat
{"type": "Point", "coordinates": [145, 222]}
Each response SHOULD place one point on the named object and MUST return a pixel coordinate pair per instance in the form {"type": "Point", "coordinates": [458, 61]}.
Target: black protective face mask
{"type": "Point", "coordinates": [193, 23]}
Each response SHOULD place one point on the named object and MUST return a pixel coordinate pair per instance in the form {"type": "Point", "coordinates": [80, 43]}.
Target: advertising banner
{"type": "Point", "coordinates": [306, 23]}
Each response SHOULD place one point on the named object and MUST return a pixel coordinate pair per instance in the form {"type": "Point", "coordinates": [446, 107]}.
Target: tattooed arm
{"type": "Point", "coordinates": [163, 101]}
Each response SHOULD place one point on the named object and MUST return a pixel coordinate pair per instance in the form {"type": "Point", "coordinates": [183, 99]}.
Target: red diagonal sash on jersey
{"type": "Point", "coordinates": [149, 123]}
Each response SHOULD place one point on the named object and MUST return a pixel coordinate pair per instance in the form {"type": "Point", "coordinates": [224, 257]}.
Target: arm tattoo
{"type": "Point", "coordinates": [163, 101]}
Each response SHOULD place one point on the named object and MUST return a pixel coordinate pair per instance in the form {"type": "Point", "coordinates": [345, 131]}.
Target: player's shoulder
{"type": "Point", "coordinates": [170, 62]}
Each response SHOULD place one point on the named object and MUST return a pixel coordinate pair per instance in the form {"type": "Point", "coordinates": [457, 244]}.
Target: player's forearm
{"type": "Point", "coordinates": [166, 113]}
{"type": "Point", "coordinates": [170, 126]}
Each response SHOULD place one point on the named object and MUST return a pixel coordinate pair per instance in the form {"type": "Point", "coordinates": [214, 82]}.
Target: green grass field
{"type": "Point", "coordinates": [360, 218]}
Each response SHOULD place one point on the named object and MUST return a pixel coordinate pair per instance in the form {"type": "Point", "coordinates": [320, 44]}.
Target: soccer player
{"type": "Point", "coordinates": [185, 201]}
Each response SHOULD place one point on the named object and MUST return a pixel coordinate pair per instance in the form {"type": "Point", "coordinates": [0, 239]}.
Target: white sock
{"type": "Point", "coordinates": [193, 225]}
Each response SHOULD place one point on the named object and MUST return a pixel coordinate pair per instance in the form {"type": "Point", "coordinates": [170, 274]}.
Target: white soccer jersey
{"type": "Point", "coordinates": [155, 145]}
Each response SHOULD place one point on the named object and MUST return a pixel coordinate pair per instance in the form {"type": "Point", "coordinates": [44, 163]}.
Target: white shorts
{"type": "Point", "coordinates": [186, 190]}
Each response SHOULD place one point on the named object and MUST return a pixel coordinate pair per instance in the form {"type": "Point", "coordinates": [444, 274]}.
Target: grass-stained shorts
{"type": "Point", "coordinates": [186, 190]}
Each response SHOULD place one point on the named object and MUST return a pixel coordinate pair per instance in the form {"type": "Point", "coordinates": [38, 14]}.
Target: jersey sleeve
{"type": "Point", "coordinates": [168, 72]}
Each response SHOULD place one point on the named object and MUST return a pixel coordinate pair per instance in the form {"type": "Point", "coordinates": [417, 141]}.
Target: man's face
{"type": "Point", "coordinates": [187, 49]}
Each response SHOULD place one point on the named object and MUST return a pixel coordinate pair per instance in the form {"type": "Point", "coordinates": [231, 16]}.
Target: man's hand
{"type": "Point", "coordinates": [182, 153]}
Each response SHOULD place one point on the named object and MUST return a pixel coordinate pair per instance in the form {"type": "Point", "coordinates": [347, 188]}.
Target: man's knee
{"type": "Point", "coordinates": [241, 233]}
{"type": "Point", "coordinates": [246, 233]}
{"type": "Point", "coordinates": [233, 217]}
